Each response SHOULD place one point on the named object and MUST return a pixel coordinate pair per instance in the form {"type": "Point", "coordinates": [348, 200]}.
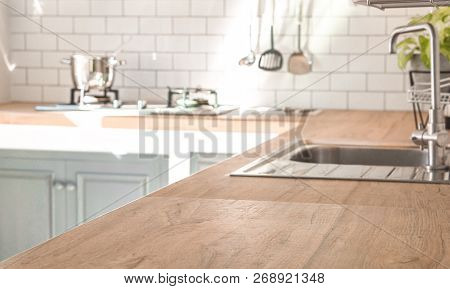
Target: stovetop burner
{"type": "Point", "coordinates": [107, 96]}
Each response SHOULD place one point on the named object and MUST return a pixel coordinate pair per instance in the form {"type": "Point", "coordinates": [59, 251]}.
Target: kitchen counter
{"type": "Point", "coordinates": [212, 220]}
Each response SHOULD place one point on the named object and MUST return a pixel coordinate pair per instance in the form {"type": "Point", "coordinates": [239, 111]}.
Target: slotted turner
{"type": "Point", "coordinates": [272, 59]}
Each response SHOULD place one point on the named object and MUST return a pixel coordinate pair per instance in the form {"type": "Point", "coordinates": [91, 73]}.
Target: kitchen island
{"type": "Point", "coordinates": [212, 220]}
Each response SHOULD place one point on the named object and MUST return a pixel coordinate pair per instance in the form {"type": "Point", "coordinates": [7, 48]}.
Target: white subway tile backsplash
{"type": "Point", "coordinates": [56, 94]}
{"type": "Point", "coordinates": [312, 81]}
{"type": "Point", "coordinates": [106, 42]}
{"type": "Point", "coordinates": [21, 24]}
{"type": "Point", "coordinates": [189, 61]}
{"type": "Point", "coordinates": [378, 44]}
{"type": "Point", "coordinates": [397, 101]}
{"type": "Point", "coordinates": [65, 77]}
{"type": "Point", "coordinates": [329, 100]}
{"type": "Point", "coordinates": [392, 64]}
{"type": "Point", "coordinates": [330, 62]}
{"type": "Point", "coordinates": [42, 76]}
{"type": "Point", "coordinates": [207, 7]}
{"type": "Point", "coordinates": [41, 42]}
{"type": "Point", "coordinates": [223, 25]}
{"type": "Point", "coordinates": [386, 82]}
{"type": "Point", "coordinates": [367, 63]}
{"type": "Point", "coordinates": [348, 82]}
{"type": "Point", "coordinates": [70, 7]}
{"type": "Point", "coordinates": [366, 101]}
{"type": "Point", "coordinates": [207, 43]}
{"type": "Point", "coordinates": [144, 43]}
{"type": "Point", "coordinates": [53, 59]}
{"type": "Point", "coordinates": [189, 26]}
{"type": "Point", "coordinates": [47, 7]}
{"type": "Point", "coordinates": [367, 26]}
{"type": "Point", "coordinates": [207, 79]}
{"type": "Point", "coordinates": [106, 7]}
{"type": "Point", "coordinates": [156, 25]}
{"type": "Point", "coordinates": [123, 25]}
{"type": "Point", "coordinates": [19, 5]}
{"type": "Point", "coordinates": [27, 93]}
{"type": "Point", "coordinates": [216, 62]}
{"type": "Point", "coordinates": [172, 43]}
{"type": "Point", "coordinates": [129, 93]}
{"type": "Point", "coordinates": [19, 76]}
{"type": "Point", "coordinates": [17, 41]}
{"type": "Point", "coordinates": [348, 44]}
{"type": "Point", "coordinates": [199, 42]}
{"type": "Point", "coordinates": [329, 26]}
{"type": "Point", "coordinates": [27, 59]}
{"type": "Point", "coordinates": [156, 61]}
{"type": "Point", "coordinates": [172, 7]}
{"type": "Point", "coordinates": [394, 22]}
{"type": "Point", "coordinates": [58, 24]}
{"type": "Point", "coordinates": [275, 81]}
{"type": "Point", "coordinates": [91, 25]}
{"type": "Point", "coordinates": [318, 44]}
{"type": "Point", "coordinates": [173, 78]}
{"type": "Point", "coordinates": [139, 7]}
{"type": "Point", "coordinates": [294, 99]}
{"type": "Point", "coordinates": [137, 78]}
{"type": "Point", "coordinates": [73, 42]}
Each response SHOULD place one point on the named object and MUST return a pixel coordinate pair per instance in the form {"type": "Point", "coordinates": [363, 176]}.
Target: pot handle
{"type": "Point", "coordinates": [66, 61]}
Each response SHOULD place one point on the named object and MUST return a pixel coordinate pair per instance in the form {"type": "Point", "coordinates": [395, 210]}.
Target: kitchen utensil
{"type": "Point", "coordinates": [92, 72]}
{"type": "Point", "coordinates": [250, 59]}
{"type": "Point", "coordinates": [298, 62]}
{"type": "Point", "coordinates": [80, 69]}
{"type": "Point", "coordinates": [272, 59]}
{"type": "Point", "coordinates": [103, 71]}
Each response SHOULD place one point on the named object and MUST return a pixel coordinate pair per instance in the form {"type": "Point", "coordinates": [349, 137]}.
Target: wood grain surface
{"type": "Point", "coordinates": [212, 220]}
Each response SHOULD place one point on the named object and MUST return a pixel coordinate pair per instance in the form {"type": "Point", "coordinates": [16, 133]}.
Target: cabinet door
{"type": "Point", "coordinates": [98, 187]}
{"type": "Point", "coordinates": [28, 211]}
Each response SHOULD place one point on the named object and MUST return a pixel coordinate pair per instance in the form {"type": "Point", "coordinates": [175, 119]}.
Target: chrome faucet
{"type": "Point", "coordinates": [434, 137]}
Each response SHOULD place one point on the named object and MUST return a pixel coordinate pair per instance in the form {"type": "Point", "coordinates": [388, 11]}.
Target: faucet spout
{"type": "Point", "coordinates": [435, 136]}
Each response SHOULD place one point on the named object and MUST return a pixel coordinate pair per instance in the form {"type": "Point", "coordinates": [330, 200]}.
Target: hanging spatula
{"type": "Point", "coordinates": [272, 59]}
{"type": "Point", "coordinates": [298, 61]}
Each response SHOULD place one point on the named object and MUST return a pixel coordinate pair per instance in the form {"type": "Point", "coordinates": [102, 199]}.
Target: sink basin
{"type": "Point", "coordinates": [346, 163]}
{"type": "Point", "coordinates": [367, 156]}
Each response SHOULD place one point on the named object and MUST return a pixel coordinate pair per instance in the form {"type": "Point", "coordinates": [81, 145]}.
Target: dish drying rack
{"type": "Point", "coordinates": [420, 94]}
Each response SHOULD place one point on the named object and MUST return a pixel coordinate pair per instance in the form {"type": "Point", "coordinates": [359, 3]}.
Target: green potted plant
{"type": "Point", "coordinates": [416, 49]}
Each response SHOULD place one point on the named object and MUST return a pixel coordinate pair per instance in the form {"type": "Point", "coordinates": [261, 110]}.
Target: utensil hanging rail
{"type": "Point", "coordinates": [386, 4]}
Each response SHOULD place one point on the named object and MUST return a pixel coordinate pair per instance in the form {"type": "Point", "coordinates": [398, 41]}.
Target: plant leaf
{"type": "Point", "coordinates": [424, 44]}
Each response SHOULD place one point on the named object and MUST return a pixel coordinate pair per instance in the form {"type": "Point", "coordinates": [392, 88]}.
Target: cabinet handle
{"type": "Point", "coordinates": [70, 187]}
{"type": "Point", "coordinates": [58, 186]}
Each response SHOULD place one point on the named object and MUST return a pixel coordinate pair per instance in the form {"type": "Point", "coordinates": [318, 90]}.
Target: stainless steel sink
{"type": "Point", "coordinates": [347, 163]}
{"type": "Point", "coordinates": [366, 156]}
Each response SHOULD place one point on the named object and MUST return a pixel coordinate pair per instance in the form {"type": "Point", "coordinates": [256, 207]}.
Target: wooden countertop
{"type": "Point", "coordinates": [212, 220]}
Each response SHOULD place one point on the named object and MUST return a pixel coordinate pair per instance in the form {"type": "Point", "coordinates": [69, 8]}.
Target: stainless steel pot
{"type": "Point", "coordinates": [93, 72]}
{"type": "Point", "coordinates": [103, 71]}
{"type": "Point", "coordinates": [81, 69]}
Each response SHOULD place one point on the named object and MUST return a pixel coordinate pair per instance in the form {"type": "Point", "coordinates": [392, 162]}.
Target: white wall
{"type": "Point", "coordinates": [199, 42]}
{"type": "Point", "coordinates": [4, 51]}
